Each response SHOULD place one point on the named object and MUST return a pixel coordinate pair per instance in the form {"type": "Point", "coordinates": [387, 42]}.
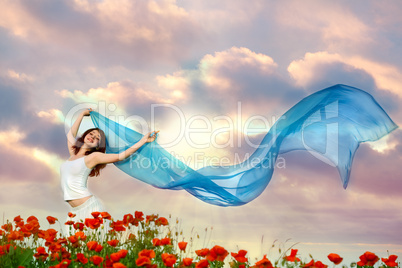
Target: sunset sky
{"type": "Point", "coordinates": [222, 72]}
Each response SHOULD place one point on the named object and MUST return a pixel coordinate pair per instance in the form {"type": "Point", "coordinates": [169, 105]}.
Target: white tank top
{"type": "Point", "coordinates": [74, 179]}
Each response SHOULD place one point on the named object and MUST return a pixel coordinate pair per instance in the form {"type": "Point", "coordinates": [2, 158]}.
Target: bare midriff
{"type": "Point", "coordinates": [77, 202]}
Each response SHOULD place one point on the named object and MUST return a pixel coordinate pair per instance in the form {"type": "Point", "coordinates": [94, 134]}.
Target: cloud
{"type": "Point", "coordinates": [312, 192]}
{"type": "Point", "coordinates": [177, 84]}
{"type": "Point", "coordinates": [215, 67]}
{"type": "Point", "coordinates": [377, 172]}
{"type": "Point", "coordinates": [13, 101]}
{"type": "Point", "coordinates": [122, 98]}
{"type": "Point", "coordinates": [322, 69]}
{"type": "Point", "coordinates": [308, 69]}
{"type": "Point", "coordinates": [237, 74]}
{"type": "Point", "coordinates": [336, 24]}
{"type": "Point", "coordinates": [41, 130]}
{"type": "Point", "coordinates": [386, 16]}
{"type": "Point", "coordinates": [23, 163]}
{"type": "Point", "coordinates": [53, 115]}
{"type": "Point", "coordinates": [136, 33]}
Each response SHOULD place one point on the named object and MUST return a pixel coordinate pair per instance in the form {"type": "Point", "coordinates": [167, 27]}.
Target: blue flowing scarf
{"type": "Point", "coordinates": [330, 123]}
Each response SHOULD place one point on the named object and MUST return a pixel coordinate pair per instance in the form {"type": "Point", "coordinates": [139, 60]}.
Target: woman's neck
{"type": "Point", "coordinates": [82, 151]}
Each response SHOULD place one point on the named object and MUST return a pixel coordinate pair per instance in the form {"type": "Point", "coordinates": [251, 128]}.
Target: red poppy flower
{"type": "Point", "coordinates": [150, 218]}
{"type": "Point", "coordinates": [202, 252]}
{"type": "Point", "coordinates": [62, 240]}
{"type": "Point", "coordinates": [65, 254]}
{"type": "Point", "coordinates": [168, 259]}
{"type": "Point", "coordinates": [127, 219]}
{"type": "Point", "coordinates": [54, 247]}
{"type": "Point", "coordinates": [81, 258]}
{"type": "Point", "coordinates": [78, 226]}
{"type": "Point", "coordinates": [49, 235]}
{"type": "Point", "coordinates": [63, 264]}
{"type": "Point", "coordinates": [139, 215]}
{"type": "Point", "coordinates": [26, 229]}
{"type": "Point", "coordinates": [72, 239]}
{"type": "Point", "coordinates": [95, 214]}
{"type": "Point", "coordinates": [2, 250]}
{"type": "Point", "coordinates": [335, 258]}
{"type": "Point", "coordinates": [19, 224]}
{"type": "Point", "coordinates": [81, 236]}
{"type": "Point", "coordinates": [96, 260]}
{"type": "Point", "coordinates": [149, 253]}
{"type": "Point", "coordinates": [156, 242]}
{"type": "Point", "coordinates": [166, 241]}
{"type": "Point", "coordinates": [123, 253]}
{"type": "Point", "coordinates": [240, 256]}
{"type": "Point", "coordinates": [117, 226]}
{"type": "Point", "coordinates": [106, 215]}
{"type": "Point", "coordinates": [41, 254]}
{"type": "Point", "coordinates": [7, 227]}
{"type": "Point", "coordinates": [143, 261]}
{"type": "Point", "coordinates": [98, 248]}
{"type": "Point", "coordinates": [92, 223]}
{"type": "Point", "coordinates": [182, 245]}
{"type": "Point", "coordinates": [6, 248]}
{"type": "Point", "coordinates": [113, 242]}
{"type": "Point", "coordinates": [368, 258]}
{"type": "Point", "coordinates": [92, 245]}
{"type": "Point", "coordinates": [115, 257]}
{"type": "Point", "coordinates": [391, 261]}
{"type": "Point", "coordinates": [263, 263]}
{"type": "Point", "coordinates": [32, 218]}
{"type": "Point", "coordinates": [15, 235]}
{"type": "Point", "coordinates": [161, 221]}
{"type": "Point", "coordinates": [187, 262]}
{"type": "Point", "coordinates": [55, 256]}
{"type": "Point", "coordinates": [217, 253]}
{"type": "Point", "coordinates": [202, 264]}
{"type": "Point", "coordinates": [71, 215]}
{"type": "Point", "coordinates": [316, 264]}
{"type": "Point", "coordinates": [292, 257]}
{"type": "Point", "coordinates": [51, 220]}
{"type": "Point", "coordinates": [33, 225]}
{"type": "Point", "coordinates": [69, 223]}
{"type": "Point", "coordinates": [18, 219]}
{"type": "Point", "coordinates": [119, 265]}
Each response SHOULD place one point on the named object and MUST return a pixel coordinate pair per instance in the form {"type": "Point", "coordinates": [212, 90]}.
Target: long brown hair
{"type": "Point", "coordinates": [101, 148]}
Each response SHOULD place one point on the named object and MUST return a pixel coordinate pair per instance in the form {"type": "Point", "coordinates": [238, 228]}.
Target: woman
{"type": "Point", "coordinates": [87, 158]}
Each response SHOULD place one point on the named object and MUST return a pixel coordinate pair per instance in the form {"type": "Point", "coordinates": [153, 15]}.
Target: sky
{"type": "Point", "coordinates": [222, 72]}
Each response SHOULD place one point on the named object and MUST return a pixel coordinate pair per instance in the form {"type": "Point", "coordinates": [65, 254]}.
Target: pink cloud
{"type": "Point", "coordinates": [23, 168]}
{"type": "Point", "coordinates": [128, 31]}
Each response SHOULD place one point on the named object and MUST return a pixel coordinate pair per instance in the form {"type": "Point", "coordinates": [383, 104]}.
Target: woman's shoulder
{"type": "Point", "coordinates": [92, 159]}
{"type": "Point", "coordinates": [93, 155]}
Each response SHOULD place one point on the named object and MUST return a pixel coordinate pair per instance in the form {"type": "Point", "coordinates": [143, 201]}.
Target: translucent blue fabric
{"type": "Point", "coordinates": [330, 124]}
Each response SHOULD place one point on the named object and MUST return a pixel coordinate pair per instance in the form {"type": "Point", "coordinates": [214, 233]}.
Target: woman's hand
{"type": "Point", "coordinates": [86, 112]}
{"type": "Point", "coordinates": [150, 136]}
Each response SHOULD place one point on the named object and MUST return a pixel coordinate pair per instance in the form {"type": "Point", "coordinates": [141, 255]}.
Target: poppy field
{"type": "Point", "coordinates": [136, 241]}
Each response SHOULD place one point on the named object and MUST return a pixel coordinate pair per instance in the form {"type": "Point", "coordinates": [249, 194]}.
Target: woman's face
{"type": "Point", "coordinates": [92, 139]}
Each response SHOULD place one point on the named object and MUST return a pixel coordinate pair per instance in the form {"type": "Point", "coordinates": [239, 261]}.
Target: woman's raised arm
{"type": "Point", "coordinates": [72, 133]}
{"type": "Point", "coordinates": [97, 158]}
